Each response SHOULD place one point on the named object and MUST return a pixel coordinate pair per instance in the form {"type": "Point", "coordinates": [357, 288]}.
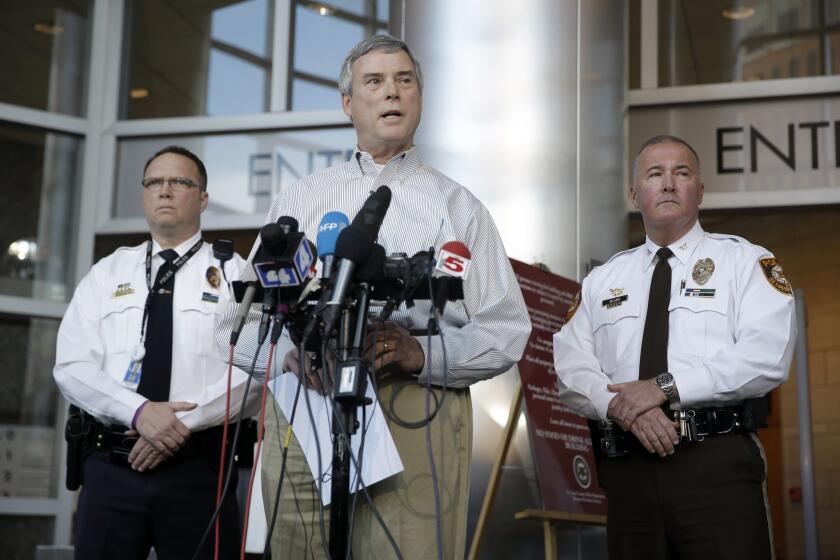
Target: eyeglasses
{"type": "Point", "coordinates": [176, 183]}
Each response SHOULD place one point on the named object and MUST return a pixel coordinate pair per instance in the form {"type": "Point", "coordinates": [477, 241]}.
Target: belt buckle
{"type": "Point", "coordinates": [119, 452]}
{"type": "Point", "coordinates": [688, 425]}
{"type": "Point", "coordinates": [735, 423]}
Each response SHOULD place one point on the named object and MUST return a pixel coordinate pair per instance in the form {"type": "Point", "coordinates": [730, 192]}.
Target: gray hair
{"type": "Point", "coordinates": [379, 43]}
{"type": "Point", "coordinates": [663, 139]}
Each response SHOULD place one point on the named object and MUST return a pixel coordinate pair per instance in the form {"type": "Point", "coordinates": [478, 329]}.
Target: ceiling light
{"type": "Point", "coordinates": [321, 9]}
{"type": "Point", "coordinates": [737, 14]}
{"type": "Point", "coordinates": [23, 249]}
{"type": "Point", "coordinates": [48, 27]}
{"type": "Point", "coordinates": [139, 92]}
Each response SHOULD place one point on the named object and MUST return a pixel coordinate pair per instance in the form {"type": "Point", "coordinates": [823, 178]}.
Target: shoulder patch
{"type": "Point", "coordinates": [775, 275]}
{"type": "Point", "coordinates": [572, 308]}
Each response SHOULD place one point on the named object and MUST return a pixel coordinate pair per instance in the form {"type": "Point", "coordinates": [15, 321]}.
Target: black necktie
{"type": "Point", "coordinates": [157, 364]}
{"type": "Point", "coordinates": [654, 357]}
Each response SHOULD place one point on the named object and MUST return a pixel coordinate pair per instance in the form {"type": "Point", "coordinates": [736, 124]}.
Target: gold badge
{"type": "Point", "coordinates": [573, 308]}
{"type": "Point", "coordinates": [214, 277]}
{"type": "Point", "coordinates": [775, 275]}
{"type": "Point", "coordinates": [703, 270]}
{"type": "Point", "coordinates": [123, 290]}
{"type": "Point", "coordinates": [617, 292]}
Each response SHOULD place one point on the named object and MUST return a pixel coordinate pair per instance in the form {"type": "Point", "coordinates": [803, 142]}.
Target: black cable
{"type": "Point", "coordinates": [285, 452]}
{"type": "Point", "coordinates": [231, 459]}
{"type": "Point", "coordinates": [319, 479]}
{"type": "Point", "coordinates": [435, 483]}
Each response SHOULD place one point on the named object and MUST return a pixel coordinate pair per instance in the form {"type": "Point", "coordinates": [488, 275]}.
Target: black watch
{"type": "Point", "coordinates": [665, 381]}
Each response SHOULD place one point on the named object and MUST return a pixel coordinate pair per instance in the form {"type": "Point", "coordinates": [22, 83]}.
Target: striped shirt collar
{"type": "Point", "coordinates": [408, 162]}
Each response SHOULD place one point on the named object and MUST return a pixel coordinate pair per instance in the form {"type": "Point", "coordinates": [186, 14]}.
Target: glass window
{"type": "Point", "coordinates": [197, 58]}
{"type": "Point", "coordinates": [244, 170]}
{"type": "Point", "coordinates": [721, 41]}
{"type": "Point", "coordinates": [28, 406]}
{"type": "Point", "coordinates": [324, 32]}
{"type": "Point", "coordinates": [45, 54]}
{"type": "Point", "coordinates": [39, 173]}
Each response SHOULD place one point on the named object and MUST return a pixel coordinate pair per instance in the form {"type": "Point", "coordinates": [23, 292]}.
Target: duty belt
{"type": "Point", "coordinates": [694, 425]}
{"type": "Point", "coordinates": [697, 423]}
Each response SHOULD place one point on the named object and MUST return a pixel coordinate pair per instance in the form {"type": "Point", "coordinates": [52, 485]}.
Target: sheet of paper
{"type": "Point", "coordinates": [380, 460]}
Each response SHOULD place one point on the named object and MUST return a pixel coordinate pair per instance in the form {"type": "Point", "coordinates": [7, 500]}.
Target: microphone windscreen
{"type": "Point", "coordinates": [371, 269]}
{"type": "Point", "coordinates": [373, 211]}
{"type": "Point", "coordinates": [273, 238]}
{"type": "Point", "coordinates": [330, 227]}
{"type": "Point", "coordinates": [354, 244]}
{"type": "Point", "coordinates": [457, 248]}
{"type": "Point", "coordinates": [289, 224]}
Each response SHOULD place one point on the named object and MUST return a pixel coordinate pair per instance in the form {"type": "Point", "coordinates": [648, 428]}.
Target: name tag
{"type": "Point", "coordinates": [614, 302]}
{"type": "Point", "coordinates": [212, 298]}
{"type": "Point", "coordinates": [699, 292]}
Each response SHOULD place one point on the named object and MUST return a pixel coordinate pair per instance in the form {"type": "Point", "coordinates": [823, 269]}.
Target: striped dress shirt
{"type": "Point", "coordinates": [486, 333]}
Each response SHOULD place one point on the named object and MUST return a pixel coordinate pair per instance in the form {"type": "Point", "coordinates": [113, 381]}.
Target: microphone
{"type": "Point", "coordinates": [288, 224]}
{"type": "Point", "coordinates": [453, 264]}
{"type": "Point", "coordinates": [371, 269]}
{"type": "Point", "coordinates": [373, 211]}
{"type": "Point", "coordinates": [356, 241]}
{"type": "Point", "coordinates": [250, 280]}
{"type": "Point", "coordinates": [352, 249]}
{"type": "Point", "coordinates": [284, 259]}
{"type": "Point", "coordinates": [328, 230]}
{"type": "Point", "coordinates": [453, 261]}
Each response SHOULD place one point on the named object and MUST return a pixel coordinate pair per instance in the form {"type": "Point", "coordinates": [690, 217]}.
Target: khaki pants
{"type": "Point", "coordinates": [406, 501]}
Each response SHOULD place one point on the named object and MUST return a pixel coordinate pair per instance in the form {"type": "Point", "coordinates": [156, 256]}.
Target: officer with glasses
{"type": "Point", "coordinates": [136, 356]}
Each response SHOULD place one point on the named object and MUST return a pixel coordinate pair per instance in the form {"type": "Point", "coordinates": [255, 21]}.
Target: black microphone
{"type": "Point", "coordinates": [356, 241]}
{"type": "Point", "coordinates": [371, 269]}
{"type": "Point", "coordinates": [373, 212]}
{"type": "Point", "coordinates": [352, 249]}
{"type": "Point", "coordinates": [288, 224]}
{"type": "Point", "coordinates": [250, 280]}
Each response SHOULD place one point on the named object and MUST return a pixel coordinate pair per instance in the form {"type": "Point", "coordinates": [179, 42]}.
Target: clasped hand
{"type": "Point", "coordinates": [161, 434]}
{"type": "Point", "coordinates": [636, 409]}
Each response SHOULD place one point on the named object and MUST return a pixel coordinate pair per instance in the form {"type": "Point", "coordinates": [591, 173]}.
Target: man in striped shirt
{"type": "Point", "coordinates": [483, 335]}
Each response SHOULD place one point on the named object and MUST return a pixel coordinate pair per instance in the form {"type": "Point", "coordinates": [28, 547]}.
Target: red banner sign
{"type": "Point", "coordinates": [559, 437]}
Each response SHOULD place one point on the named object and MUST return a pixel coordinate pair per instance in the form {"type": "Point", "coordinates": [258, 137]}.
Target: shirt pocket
{"type": "Point", "coordinates": [120, 325]}
{"type": "Point", "coordinates": [198, 318]}
{"type": "Point", "coordinates": [614, 329]}
{"type": "Point", "coordinates": [700, 325]}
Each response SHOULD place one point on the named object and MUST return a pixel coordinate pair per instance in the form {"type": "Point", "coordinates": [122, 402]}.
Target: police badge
{"type": "Point", "coordinates": [703, 270]}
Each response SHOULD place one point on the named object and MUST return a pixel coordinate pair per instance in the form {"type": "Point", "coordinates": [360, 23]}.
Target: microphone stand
{"type": "Point", "coordinates": [350, 380]}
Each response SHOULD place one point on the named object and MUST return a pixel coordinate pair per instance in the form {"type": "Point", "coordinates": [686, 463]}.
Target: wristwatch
{"type": "Point", "coordinates": [665, 381]}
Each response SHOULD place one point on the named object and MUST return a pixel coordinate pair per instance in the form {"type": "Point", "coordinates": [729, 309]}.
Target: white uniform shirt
{"type": "Point", "coordinates": [101, 331]}
{"type": "Point", "coordinates": [731, 337]}
{"type": "Point", "coordinates": [486, 333]}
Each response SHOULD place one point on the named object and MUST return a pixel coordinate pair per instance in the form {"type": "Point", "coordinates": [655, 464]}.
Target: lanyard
{"type": "Point", "coordinates": [175, 266]}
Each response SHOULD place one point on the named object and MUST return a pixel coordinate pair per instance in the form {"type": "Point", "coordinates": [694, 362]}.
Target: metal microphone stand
{"type": "Point", "coordinates": [349, 393]}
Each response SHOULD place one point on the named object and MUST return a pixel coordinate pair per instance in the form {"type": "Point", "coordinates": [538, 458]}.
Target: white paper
{"type": "Point", "coordinates": [380, 460]}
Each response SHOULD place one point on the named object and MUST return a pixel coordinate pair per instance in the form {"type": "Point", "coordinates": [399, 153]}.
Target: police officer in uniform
{"type": "Point", "coordinates": [136, 354]}
{"type": "Point", "coordinates": [671, 346]}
